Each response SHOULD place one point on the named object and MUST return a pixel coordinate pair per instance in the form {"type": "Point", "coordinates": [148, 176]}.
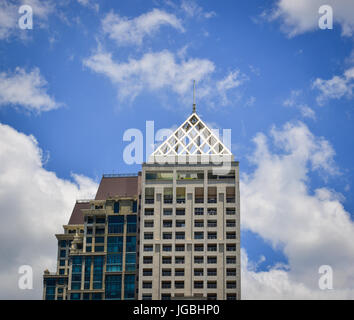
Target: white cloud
{"type": "Point", "coordinates": [311, 227]}
{"type": "Point", "coordinates": [132, 31]}
{"type": "Point", "coordinates": [301, 16]}
{"type": "Point", "coordinates": [89, 4]}
{"type": "Point", "coordinates": [34, 204]}
{"type": "Point", "coordinates": [9, 16]}
{"type": "Point", "coordinates": [233, 80]}
{"type": "Point", "coordinates": [25, 89]}
{"type": "Point", "coordinates": [152, 72]}
{"type": "Point", "coordinates": [193, 10]}
{"type": "Point", "coordinates": [304, 109]}
{"type": "Point", "coordinates": [165, 70]}
{"type": "Point", "coordinates": [335, 88]}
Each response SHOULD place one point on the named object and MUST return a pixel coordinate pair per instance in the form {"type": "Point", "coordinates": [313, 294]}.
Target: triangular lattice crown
{"type": "Point", "coordinates": [192, 138]}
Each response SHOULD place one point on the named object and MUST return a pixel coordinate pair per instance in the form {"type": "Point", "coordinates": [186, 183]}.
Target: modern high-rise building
{"type": "Point", "coordinates": [170, 232]}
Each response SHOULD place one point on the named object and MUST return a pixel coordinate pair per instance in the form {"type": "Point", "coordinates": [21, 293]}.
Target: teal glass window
{"type": "Point", "coordinates": [113, 287]}
{"type": "Point", "coordinates": [129, 286]}
{"type": "Point", "coordinates": [115, 224]}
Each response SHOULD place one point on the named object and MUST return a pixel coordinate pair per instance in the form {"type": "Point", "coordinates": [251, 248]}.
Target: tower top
{"type": "Point", "coordinates": [194, 105]}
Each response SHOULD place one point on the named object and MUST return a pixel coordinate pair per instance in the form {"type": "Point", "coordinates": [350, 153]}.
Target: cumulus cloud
{"type": "Point", "coordinates": [34, 204]}
{"type": "Point", "coordinates": [132, 31]}
{"type": "Point", "coordinates": [152, 72]}
{"type": "Point", "coordinates": [9, 15]}
{"type": "Point", "coordinates": [335, 88]}
{"type": "Point", "coordinates": [89, 4]}
{"type": "Point", "coordinates": [165, 70]}
{"type": "Point", "coordinates": [301, 16]}
{"type": "Point", "coordinates": [25, 89]}
{"type": "Point", "coordinates": [311, 226]}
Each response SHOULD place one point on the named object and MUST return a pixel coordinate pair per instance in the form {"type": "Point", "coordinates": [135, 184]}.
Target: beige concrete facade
{"type": "Point", "coordinates": [202, 258]}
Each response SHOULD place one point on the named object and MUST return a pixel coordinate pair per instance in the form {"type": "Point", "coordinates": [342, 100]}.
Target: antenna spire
{"type": "Point", "coordinates": [194, 109]}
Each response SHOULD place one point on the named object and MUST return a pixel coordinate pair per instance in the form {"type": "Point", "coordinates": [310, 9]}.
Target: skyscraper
{"type": "Point", "coordinates": [169, 232]}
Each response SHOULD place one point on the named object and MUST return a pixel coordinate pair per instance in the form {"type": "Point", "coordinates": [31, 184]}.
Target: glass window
{"type": "Point", "coordinates": [131, 224]}
{"type": "Point", "coordinates": [129, 286]}
{"type": "Point", "coordinates": [113, 287]}
{"type": "Point", "coordinates": [114, 262]}
{"type": "Point", "coordinates": [115, 224]}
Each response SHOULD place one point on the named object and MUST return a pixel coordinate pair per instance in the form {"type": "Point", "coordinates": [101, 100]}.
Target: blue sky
{"type": "Point", "coordinates": [98, 68]}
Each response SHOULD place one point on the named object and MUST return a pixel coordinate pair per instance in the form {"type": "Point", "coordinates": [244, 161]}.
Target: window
{"type": "Point", "coordinates": [159, 175]}
{"type": "Point", "coordinates": [114, 262]}
{"type": "Point", "coordinates": [212, 260]}
{"type": "Point", "coordinates": [230, 247]}
{"type": "Point", "coordinates": [148, 247]}
{"type": "Point", "coordinates": [198, 272]}
{"type": "Point", "coordinates": [167, 223]}
{"type": "Point", "coordinates": [130, 261]}
{"type": "Point", "coordinates": [211, 296]}
{"type": "Point", "coordinates": [115, 224]}
{"type": "Point", "coordinates": [212, 195]}
{"type": "Point", "coordinates": [129, 286]}
{"type": "Point", "coordinates": [199, 195]}
{"type": "Point", "coordinates": [131, 224]}
{"type": "Point", "coordinates": [167, 212]}
{"type": "Point", "coordinates": [98, 271]}
{"type": "Point", "coordinates": [99, 248]}
{"type": "Point", "coordinates": [116, 207]}
{"type": "Point", "coordinates": [231, 284]}
{"type": "Point", "coordinates": [147, 272]}
{"type": "Point", "coordinates": [198, 259]}
{"type": "Point", "coordinates": [180, 235]}
{"type": "Point", "coordinates": [230, 211]}
{"type": "Point", "coordinates": [147, 260]}
{"type": "Point", "coordinates": [212, 235]}
{"type": "Point", "coordinates": [149, 195]}
{"type": "Point", "coordinates": [198, 284]}
{"type": "Point", "coordinates": [149, 223]}
{"type": "Point", "coordinates": [179, 284]}
{"type": "Point", "coordinates": [149, 212]}
{"type": "Point", "coordinates": [166, 272]}
{"type": "Point", "coordinates": [198, 247]}
{"type": "Point", "coordinates": [168, 195]}
{"type": "Point", "coordinates": [130, 244]}
{"type": "Point", "coordinates": [230, 235]}
{"type": "Point", "coordinates": [231, 272]}
{"type": "Point", "coordinates": [166, 260]}
{"type": "Point", "coordinates": [231, 296]}
{"type": "Point", "coordinates": [114, 244]}
{"type": "Point", "coordinates": [179, 247]}
{"type": "Point", "coordinates": [100, 230]}
{"type": "Point", "coordinates": [147, 285]}
{"type": "Point", "coordinates": [148, 235]}
{"type": "Point", "coordinates": [230, 195]}
{"type": "Point", "coordinates": [167, 247]}
{"type": "Point", "coordinates": [198, 223]}
{"type": "Point", "coordinates": [147, 297]}
{"type": "Point", "coordinates": [179, 273]}
{"type": "Point", "coordinates": [199, 211]}
{"type": "Point", "coordinates": [87, 278]}
{"type": "Point", "coordinates": [100, 220]}
{"type": "Point", "coordinates": [135, 206]}
{"type": "Point", "coordinates": [212, 272]}
{"type": "Point", "coordinates": [211, 285]}
{"type": "Point", "coordinates": [99, 240]}
{"type": "Point", "coordinates": [166, 285]}
{"type": "Point", "coordinates": [230, 223]}
{"type": "Point", "coordinates": [212, 223]}
{"type": "Point", "coordinates": [181, 195]}
{"type": "Point", "coordinates": [198, 235]}
{"type": "Point", "coordinates": [166, 296]}
{"type": "Point", "coordinates": [212, 247]}
{"type": "Point", "coordinates": [180, 212]}
{"type": "Point", "coordinates": [230, 260]}
{"type": "Point", "coordinates": [179, 260]}
{"type": "Point", "coordinates": [62, 253]}
{"type": "Point", "coordinates": [212, 211]}
{"type": "Point", "coordinates": [113, 287]}
{"type": "Point", "coordinates": [180, 223]}
{"type": "Point", "coordinates": [190, 175]}
{"type": "Point", "coordinates": [167, 235]}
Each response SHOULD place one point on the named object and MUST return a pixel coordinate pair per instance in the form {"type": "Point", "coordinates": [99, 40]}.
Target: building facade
{"type": "Point", "coordinates": [97, 253]}
{"type": "Point", "coordinates": [171, 232]}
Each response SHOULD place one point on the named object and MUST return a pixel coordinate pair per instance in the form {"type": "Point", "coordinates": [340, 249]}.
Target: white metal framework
{"type": "Point", "coordinates": [193, 137]}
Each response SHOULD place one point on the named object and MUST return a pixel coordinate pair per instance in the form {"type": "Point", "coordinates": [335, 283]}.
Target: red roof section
{"type": "Point", "coordinates": [110, 186]}
{"type": "Point", "coordinates": [118, 186]}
